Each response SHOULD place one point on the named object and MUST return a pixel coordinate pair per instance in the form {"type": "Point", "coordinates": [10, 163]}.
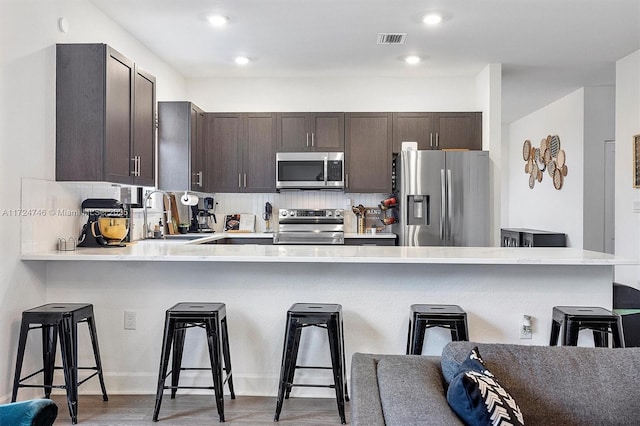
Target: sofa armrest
{"type": "Point", "coordinates": [366, 407]}
{"type": "Point", "coordinates": [34, 412]}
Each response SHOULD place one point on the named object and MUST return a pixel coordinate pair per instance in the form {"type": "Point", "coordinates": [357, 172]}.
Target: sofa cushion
{"type": "Point", "coordinates": [412, 391]}
{"type": "Point", "coordinates": [561, 385]}
{"type": "Point", "coordinates": [477, 397]}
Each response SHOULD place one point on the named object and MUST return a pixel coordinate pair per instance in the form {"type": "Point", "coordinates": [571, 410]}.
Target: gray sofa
{"type": "Point", "coordinates": [552, 385]}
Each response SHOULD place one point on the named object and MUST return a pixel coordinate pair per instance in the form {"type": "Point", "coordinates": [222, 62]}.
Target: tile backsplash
{"type": "Point", "coordinates": [52, 209]}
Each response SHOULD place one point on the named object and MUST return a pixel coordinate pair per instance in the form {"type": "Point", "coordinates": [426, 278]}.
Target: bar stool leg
{"type": "Point", "coordinates": [69, 352]}
{"type": "Point", "coordinates": [344, 363]}
{"type": "Point", "coordinates": [600, 337]}
{"type": "Point", "coordinates": [419, 328]}
{"type": "Point", "coordinates": [293, 360]}
{"type": "Point", "coordinates": [571, 330]}
{"type": "Point", "coordinates": [617, 334]}
{"type": "Point", "coordinates": [176, 361]}
{"type": "Point", "coordinates": [555, 333]}
{"type": "Point", "coordinates": [24, 329]}
{"type": "Point", "coordinates": [96, 353]}
{"type": "Point", "coordinates": [164, 363]}
{"type": "Point", "coordinates": [213, 341]}
{"type": "Point", "coordinates": [462, 329]}
{"type": "Point", "coordinates": [289, 337]}
{"type": "Point", "coordinates": [226, 353]}
{"type": "Point", "coordinates": [409, 337]}
{"type": "Point", "coordinates": [336, 360]}
{"type": "Point", "coordinates": [49, 343]}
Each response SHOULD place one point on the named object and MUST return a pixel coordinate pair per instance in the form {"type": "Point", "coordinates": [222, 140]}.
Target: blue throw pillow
{"type": "Point", "coordinates": [478, 399]}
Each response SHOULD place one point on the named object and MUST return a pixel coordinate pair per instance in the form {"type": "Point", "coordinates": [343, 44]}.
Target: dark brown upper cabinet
{"type": "Point", "coordinates": [241, 152]}
{"type": "Point", "coordinates": [105, 117]}
{"type": "Point", "coordinates": [181, 154]}
{"type": "Point", "coordinates": [310, 131]}
{"type": "Point", "coordinates": [438, 130]}
{"type": "Point", "coordinates": [368, 152]}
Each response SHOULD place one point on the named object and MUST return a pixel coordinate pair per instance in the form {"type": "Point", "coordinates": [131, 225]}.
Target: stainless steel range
{"type": "Point", "coordinates": [310, 226]}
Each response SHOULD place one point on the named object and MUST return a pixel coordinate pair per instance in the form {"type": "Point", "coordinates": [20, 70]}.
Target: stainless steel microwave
{"type": "Point", "coordinates": [310, 170]}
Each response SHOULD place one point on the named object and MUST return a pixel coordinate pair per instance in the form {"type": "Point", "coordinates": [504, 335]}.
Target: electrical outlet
{"type": "Point", "coordinates": [129, 320]}
{"type": "Point", "coordinates": [525, 332]}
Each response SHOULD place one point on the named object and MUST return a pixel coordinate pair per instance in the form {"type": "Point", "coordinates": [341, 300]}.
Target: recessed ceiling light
{"type": "Point", "coordinates": [217, 20]}
{"type": "Point", "coordinates": [241, 60]}
{"type": "Point", "coordinates": [432, 19]}
{"type": "Point", "coordinates": [412, 59]}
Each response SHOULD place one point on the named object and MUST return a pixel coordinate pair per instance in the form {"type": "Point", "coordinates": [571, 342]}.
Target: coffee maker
{"type": "Point", "coordinates": [107, 223]}
{"type": "Point", "coordinates": [202, 219]}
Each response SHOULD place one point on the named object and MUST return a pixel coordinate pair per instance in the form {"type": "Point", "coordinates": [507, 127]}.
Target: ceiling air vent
{"type": "Point", "coordinates": [391, 38]}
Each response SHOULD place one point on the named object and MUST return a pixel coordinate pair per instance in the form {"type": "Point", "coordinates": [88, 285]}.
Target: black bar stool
{"type": "Point", "coordinates": [422, 317]}
{"type": "Point", "coordinates": [329, 317]}
{"type": "Point", "coordinates": [178, 319]}
{"type": "Point", "coordinates": [59, 319]}
{"type": "Point", "coordinates": [575, 318]}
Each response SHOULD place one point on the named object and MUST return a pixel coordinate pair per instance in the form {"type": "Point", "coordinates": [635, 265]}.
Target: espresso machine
{"type": "Point", "coordinates": [203, 218]}
{"type": "Point", "coordinates": [107, 223]}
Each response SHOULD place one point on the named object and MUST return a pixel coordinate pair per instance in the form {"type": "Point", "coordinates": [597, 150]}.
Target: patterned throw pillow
{"type": "Point", "coordinates": [478, 399]}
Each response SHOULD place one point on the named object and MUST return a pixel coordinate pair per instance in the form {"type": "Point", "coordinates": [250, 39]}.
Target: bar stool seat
{"type": "Point", "coordinates": [575, 318]}
{"type": "Point", "coordinates": [178, 319]}
{"type": "Point", "coordinates": [424, 316]}
{"type": "Point", "coordinates": [59, 319]}
{"type": "Point", "coordinates": [329, 317]}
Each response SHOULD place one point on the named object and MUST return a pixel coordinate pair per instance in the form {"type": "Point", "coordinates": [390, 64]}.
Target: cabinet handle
{"type": "Point", "coordinates": [199, 174]}
{"type": "Point", "coordinates": [307, 140]}
{"type": "Point", "coordinates": [437, 143]}
{"type": "Point", "coordinates": [245, 180]}
{"type": "Point", "coordinates": [136, 165]}
{"type": "Point", "coordinates": [312, 134]}
{"type": "Point", "coordinates": [431, 140]}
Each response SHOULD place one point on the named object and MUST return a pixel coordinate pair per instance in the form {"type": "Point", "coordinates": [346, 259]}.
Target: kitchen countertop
{"type": "Point", "coordinates": [192, 251]}
{"type": "Point", "coordinates": [212, 236]}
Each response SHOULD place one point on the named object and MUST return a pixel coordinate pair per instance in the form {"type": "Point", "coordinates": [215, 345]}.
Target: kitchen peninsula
{"type": "Point", "coordinates": [258, 283]}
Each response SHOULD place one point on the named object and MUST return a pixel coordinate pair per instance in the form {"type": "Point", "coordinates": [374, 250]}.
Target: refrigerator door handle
{"type": "Point", "coordinates": [443, 200]}
{"type": "Point", "coordinates": [449, 203]}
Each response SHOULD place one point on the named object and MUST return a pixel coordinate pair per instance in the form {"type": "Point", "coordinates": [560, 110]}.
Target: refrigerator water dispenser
{"type": "Point", "coordinates": [418, 210]}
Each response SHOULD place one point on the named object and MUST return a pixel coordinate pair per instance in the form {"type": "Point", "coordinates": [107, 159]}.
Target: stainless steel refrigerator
{"type": "Point", "coordinates": [443, 198]}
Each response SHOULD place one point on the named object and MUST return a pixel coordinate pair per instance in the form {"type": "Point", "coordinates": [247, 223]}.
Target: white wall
{"type": "Point", "coordinates": [489, 97]}
{"type": "Point", "coordinates": [28, 34]}
{"type": "Point", "coordinates": [348, 94]}
{"type": "Point", "coordinates": [627, 125]}
{"type": "Point", "coordinates": [599, 126]}
{"type": "Point", "coordinates": [544, 207]}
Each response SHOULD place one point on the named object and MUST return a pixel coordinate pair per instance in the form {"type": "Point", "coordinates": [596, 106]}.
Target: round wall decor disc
{"type": "Point", "coordinates": [557, 179]}
{"type": "Point", "coordinates": [526, 150]}
{"type": "Point", "coordinates": [561, 158]}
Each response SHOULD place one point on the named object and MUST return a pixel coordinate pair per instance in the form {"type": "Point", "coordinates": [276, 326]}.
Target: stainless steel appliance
{"type": "Point", "coordinates": [107, 223]}
{"type": "Point", "coordinates": [310, 226]}
{"type": "Point", "coordinates": [309, 170]}
{"type": "Point", "coordinates": [443, 198]}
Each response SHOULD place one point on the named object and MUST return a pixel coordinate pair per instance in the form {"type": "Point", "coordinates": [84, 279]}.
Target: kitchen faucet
{"type": "Point", "coordinates": [147, 231]}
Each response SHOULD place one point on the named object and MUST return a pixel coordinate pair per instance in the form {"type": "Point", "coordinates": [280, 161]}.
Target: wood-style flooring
{"type": "Point", "coordinates": [195, 410]}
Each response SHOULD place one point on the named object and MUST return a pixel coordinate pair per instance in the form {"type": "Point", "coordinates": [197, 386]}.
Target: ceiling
{"type": "Point", "coordinates": [548, 48]}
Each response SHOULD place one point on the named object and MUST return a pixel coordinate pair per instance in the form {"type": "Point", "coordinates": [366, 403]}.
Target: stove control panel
{"type": "Point", "coordinates": [311, 213]}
